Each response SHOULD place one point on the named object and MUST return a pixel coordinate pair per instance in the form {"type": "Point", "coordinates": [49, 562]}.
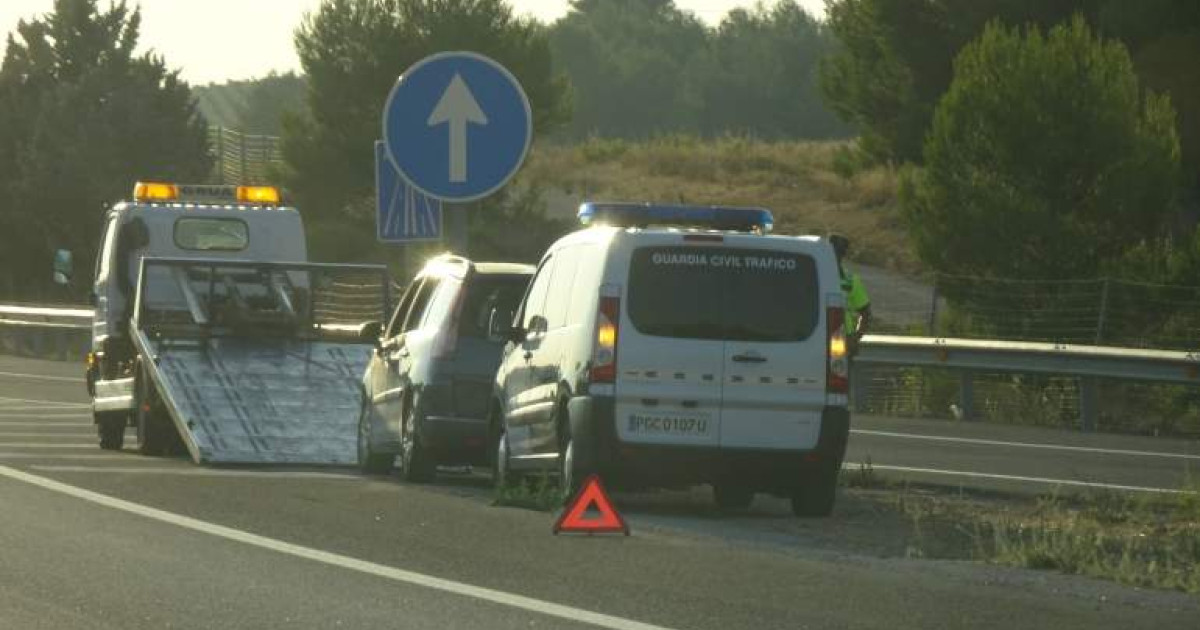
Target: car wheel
{"type": "Point", "coordinates": [502, 474]}
{"type": "Point", "coordinates": [110, 426]}
{"type": "Point", "coordinates": [416, 465]}
{"type": "Point", "coordinates": [815, 496]}
{"type": "Point", "coordinates": [370, 462]}
{"type": "Point", "coordinates": [732, 496]}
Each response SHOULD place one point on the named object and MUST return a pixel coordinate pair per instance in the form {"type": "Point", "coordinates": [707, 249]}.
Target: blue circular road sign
{"type": "Point", "coordinates": [457, 126]}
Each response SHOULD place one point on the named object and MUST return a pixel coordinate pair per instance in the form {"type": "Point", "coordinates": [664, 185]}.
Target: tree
{"type": "Point", "coordinates": [627, 60]}
{"type": "Point", "coordinates": [896, 58]}
{"type": "Point", "coordinates": [1045, 160]}
{"type": "Point", "coordinates": [773, 54]}
{"type": "Point", "coordinates": [268, 101]}
{"type": "Point", "coordinates": [81, 118]}
{"type": "Point", "coordinates": [353, 51]}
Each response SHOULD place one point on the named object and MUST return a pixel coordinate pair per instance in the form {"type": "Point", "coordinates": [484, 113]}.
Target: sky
{"type": "Point", "coordinates": [219, 40]}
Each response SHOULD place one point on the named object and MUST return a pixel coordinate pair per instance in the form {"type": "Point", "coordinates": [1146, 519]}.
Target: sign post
{"type": "Point", "coordinates": [456, 128]}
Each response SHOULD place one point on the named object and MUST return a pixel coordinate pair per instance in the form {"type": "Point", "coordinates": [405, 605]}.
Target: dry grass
{"type": "Point", "coordinates": [796, 180]}
{"type": "Point", "coordinates": [1142, 540]}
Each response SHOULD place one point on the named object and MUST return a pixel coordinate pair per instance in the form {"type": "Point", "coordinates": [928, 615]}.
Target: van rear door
{"type": "Point", "coordinates": [670, 352]}
{"type": "Point", "coordinates": [720, 346]}
{"type": "Point", "coordinates": [774, 356]}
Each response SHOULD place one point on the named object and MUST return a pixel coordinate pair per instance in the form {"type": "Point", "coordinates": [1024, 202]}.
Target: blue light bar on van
{"type": "Point", "coordinates": [705, 217]}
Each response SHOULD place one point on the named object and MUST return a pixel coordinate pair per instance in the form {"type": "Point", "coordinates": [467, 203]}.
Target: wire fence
{"type": "Point", "coordinates": [1125, 407]}
{"type": "Point", "coordinates": [243, 159]}
{"type": "Point", "coordinates": [1104, 311]}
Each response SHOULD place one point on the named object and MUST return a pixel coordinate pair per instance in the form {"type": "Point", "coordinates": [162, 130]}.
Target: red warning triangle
{"type": "Point", "coordinates": [591, 494]}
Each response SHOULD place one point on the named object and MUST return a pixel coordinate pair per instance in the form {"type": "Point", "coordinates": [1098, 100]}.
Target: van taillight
{"type": "Point", "coordinates": [447, 341]}
{"type": "Point", "coordinates": [837, 378]}
{"type": "Point", "coordinates": [604, 356]}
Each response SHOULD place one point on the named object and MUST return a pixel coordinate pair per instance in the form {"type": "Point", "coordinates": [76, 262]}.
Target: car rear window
{"type": "Point", "coordinates": [207, 235]}
{"type": "Point", "coordinates": [723, 293]}
{"type": "Point", "coordinates": [487, 292]}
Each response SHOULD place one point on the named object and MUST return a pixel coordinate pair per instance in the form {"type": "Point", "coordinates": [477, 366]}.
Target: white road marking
{"type": "Point", "coordinates": [1054, 447]}
{"type": "Point", "coordinates": [48, 403]}
{"type": "Point", "coordinates": [46, 434]}
{"type": "Point", "coordinates": [46, 411]}
{"type": "Point", "coordinates": [43, 445]}
{"type": "Point", "coordinates": [503, 598]}
{"type": "Point", "coordinates": [44, 424]}
{"type": "Point", "coordinates": [196, 472]}
{"type": "Point", "coordinates": [109, 456]}
{"type": "Point", "coordinates": [1042, 480]}
{"type": "Point", "coordinates": [41, 377]}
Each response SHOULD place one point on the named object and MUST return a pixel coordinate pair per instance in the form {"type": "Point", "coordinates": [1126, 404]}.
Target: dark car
{"type": "Point", "coordinates": [427, 387]}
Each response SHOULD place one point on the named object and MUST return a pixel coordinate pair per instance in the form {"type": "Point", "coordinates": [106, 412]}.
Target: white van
{"type": "Point", "coordinates": [171, 220]}
{"type": "Point", "coordinates": [673, 345]}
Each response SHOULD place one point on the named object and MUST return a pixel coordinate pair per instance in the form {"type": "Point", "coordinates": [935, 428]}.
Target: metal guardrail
{"type": "Point", "coordinates": [1089, 363]}
{"type": "Point", "coordinates": [967, 356]}
{"type": "Point", "coordinates": [61, 333]}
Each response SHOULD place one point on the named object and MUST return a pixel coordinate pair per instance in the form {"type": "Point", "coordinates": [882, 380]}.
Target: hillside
{"type": "Point", "coordinates": [796, 180]}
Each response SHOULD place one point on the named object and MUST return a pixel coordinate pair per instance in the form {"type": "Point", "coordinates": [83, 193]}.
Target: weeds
{"type": "Point", "coordinates": [540, 493]}
{"type": "Point", "coordinates": [1141, 540]}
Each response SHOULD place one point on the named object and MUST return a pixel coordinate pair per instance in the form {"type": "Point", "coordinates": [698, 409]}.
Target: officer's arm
{"type": "Point", "coordinates": [864, 318]}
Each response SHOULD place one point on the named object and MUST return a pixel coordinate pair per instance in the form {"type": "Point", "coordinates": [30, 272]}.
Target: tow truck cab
{"type": "Point", "coordinates": [171, 220]}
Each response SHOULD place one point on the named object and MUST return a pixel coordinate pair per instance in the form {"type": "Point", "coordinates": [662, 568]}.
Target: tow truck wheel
{"type": "Point", "coordinates": [151, 427]}
{"type": "Point", "coordinates": [110, 427]}
{"type": "Point", "coordinates": [416, 464]}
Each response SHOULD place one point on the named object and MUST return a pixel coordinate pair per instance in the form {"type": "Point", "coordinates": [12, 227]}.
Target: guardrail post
{"type": "Point", "coordinates": [966, 394]}
{"type": "Point", "coordinates": [1089, 402]}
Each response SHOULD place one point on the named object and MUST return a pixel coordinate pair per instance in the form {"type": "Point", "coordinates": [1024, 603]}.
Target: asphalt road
{"type": "Point", "coordinates": [113, 540]}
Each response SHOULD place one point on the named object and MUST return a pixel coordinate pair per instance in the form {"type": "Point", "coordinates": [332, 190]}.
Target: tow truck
{"type": "Point", "coordinates": [214, 336]}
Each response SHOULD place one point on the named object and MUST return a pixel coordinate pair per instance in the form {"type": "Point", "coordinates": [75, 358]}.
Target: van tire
{"type": "Point", "coordinates": [570, 475]}
{"type": "Point", "coordinates": [814, 498]}
{"type": "Point", "coordinates": [732, 496]}
{"type": "Point", "coordinates": [110, 427]}
{"type": "Point", "coordinates": [416, 463]}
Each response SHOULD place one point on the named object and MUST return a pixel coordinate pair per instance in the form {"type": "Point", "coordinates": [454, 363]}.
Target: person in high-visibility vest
{"type": "Point", "coordinates": [858, 304]}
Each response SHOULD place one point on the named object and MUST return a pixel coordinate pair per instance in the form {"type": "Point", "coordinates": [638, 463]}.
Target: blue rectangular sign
{"type": "Point", "coordinates": [403, 214]}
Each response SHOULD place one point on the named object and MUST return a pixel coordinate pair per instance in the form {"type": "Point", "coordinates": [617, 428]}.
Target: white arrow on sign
{"type": "Point", "coordinates": [457, 107]}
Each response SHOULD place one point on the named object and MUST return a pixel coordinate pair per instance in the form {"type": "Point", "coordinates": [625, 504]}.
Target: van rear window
{"type": "Point", "coordinates": [209, 234]}
{"type": "Point", "coordinates": [722, 293]}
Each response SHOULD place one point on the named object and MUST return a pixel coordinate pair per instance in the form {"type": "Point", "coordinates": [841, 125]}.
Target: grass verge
{"type": "Point", "coordinates": [1145, 540]}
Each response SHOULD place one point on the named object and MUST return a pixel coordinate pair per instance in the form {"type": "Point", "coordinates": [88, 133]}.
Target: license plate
{"type": "Point", "coordinates": [668, 425]}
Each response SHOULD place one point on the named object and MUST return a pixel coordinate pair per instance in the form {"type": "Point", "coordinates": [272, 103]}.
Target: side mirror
{"type": "Point", "coordinates": [370, 333]}
{"type": "Point", "coordinates": [63, 266]}
{"type": "Point", "coordinates": [500, 326]}
{"type": "Point", "coordinates": [538, 324]}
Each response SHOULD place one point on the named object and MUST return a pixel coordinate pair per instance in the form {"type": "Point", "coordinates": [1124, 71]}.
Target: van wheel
{"type": "Point", "coordinates": [570, 475]}
{"type": "Point", "coordinates": [814, 498]}
{"type": "Point", "coordinates": [110, 426]}
{"type": "Point", "coordinates": [151, 425]}
{"type": "Point", "coordinates": [369, 461]}
{"type": "Point", "coordinates": [416, 464]}
{"type": "Point", "coordinates": [732, 496]}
